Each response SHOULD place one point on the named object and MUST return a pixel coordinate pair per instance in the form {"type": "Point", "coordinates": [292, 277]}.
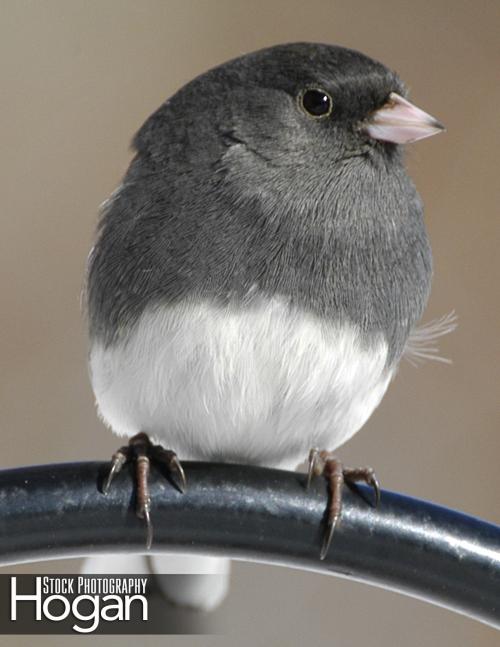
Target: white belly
{"type": "Point", "coordinates": [257, 385]}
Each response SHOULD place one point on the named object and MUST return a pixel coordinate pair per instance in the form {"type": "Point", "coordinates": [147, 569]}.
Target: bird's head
{"type": "Point", "coordinates": [288, 115]}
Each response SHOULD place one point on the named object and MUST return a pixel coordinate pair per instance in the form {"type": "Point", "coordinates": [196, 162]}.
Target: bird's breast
{"type": "Point", "coordinates": [259, 384]}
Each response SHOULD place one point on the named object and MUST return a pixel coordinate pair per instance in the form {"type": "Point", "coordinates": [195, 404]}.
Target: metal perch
{"type": "Point", "coordinates": [257, 514]}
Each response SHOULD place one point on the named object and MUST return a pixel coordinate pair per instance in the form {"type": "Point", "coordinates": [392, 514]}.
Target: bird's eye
{"type": "Point", "coordinates": [316, 103]}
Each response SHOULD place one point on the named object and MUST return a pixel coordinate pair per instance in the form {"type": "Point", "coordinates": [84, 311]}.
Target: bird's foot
{"type": "Point", "coordinates": [324, 463]}
{"type": "Point", "coordinates": [142, 452]}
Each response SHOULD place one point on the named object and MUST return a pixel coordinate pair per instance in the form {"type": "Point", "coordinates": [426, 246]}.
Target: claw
{"type": "Point", "coordinates": [143, 452]}
{"type": "Point", "coordinates": [328, 535]}
{"type": "Point", "coordinates": [172, 463]}
{"type": "Point", "coordinates": [325, 463]}
{"type": "Point", "coordinates": [313, 459]}
{"type": "Point", "coordinates": [178, 469]}
{"type": "Point", "coordinates": [373, 481]}
{"type": "Point", "coordinates": [117, 462]}
{"type": "Point", "coordinates": [149, 528]}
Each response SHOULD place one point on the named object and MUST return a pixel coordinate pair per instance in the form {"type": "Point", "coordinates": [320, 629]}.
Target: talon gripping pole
{"type": "Point", "coordinates": [256, 514]}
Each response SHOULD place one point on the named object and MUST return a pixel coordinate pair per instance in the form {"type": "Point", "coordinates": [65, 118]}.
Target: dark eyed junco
{"type": "Point", "coordinates": [259, 271]}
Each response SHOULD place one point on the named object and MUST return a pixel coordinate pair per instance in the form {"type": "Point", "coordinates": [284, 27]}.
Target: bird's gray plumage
{"type": "Point", "coordinates": [256, 276]}
{"type": "Point", "coordinates": [235, 193]}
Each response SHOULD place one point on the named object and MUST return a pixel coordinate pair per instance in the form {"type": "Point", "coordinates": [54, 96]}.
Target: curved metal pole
{"type": "Point", "coordinates": [256, 514]}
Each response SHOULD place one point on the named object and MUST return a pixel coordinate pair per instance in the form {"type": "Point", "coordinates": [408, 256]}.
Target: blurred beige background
{"type": "Point", "coordinates": [78, 77]}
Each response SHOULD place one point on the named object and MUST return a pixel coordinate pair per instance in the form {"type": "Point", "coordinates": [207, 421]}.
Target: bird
{"type": "Point", "coordinates": [258, 274]}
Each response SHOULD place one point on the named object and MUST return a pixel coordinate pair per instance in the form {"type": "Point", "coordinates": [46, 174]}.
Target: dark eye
{"type": "Point", "coordinates": [316, 102]}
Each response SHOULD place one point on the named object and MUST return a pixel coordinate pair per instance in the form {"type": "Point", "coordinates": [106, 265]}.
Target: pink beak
{"type": "Point", "coordinates": [400, 122]}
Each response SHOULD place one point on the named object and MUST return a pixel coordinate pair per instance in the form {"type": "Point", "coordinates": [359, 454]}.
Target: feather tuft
{"type": "Point", "coordinates": [422, 344]}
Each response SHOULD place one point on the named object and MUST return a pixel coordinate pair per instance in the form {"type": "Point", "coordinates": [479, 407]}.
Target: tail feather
{"type": "Point", "coordinates": [195, 581]}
